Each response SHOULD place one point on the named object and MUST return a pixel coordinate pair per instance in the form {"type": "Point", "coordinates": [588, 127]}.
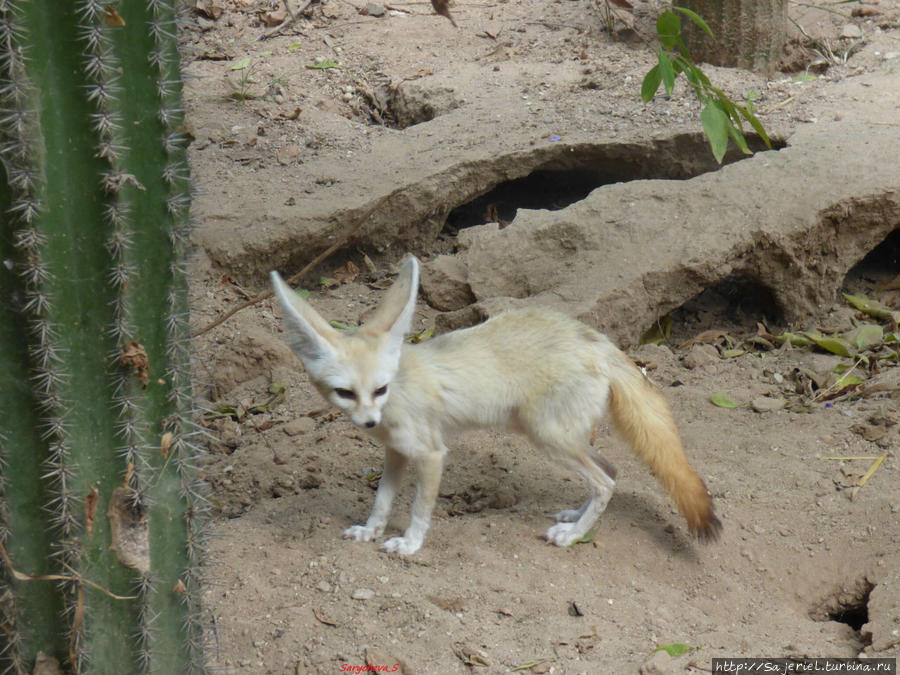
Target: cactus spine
{"type": "Point", "coordinates": [100, 509]}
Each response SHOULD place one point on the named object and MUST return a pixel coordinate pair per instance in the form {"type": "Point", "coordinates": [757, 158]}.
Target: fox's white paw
{"type": "Point", "coordinates": [401, 545]}
{"type": "Point", "coordinates": [563, 534]}
{"type": "Point", "coordinates": [361, 533]}
{"type": "Point", "coordinates": [567, 516]}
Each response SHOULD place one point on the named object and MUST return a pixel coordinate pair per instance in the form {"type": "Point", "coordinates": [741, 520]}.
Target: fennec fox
{"type": "Point", "coordinates": [533, 371]}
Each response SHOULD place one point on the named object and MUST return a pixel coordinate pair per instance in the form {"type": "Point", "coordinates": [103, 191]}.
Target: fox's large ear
{"type": "Point", "coordinates": [395, 313]}
{"type": "Point", "coordinates": [306, 332]}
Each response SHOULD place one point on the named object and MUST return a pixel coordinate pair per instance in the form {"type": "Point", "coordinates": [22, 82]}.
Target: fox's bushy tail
{"type": "Point", "coordinates": [643, 418]}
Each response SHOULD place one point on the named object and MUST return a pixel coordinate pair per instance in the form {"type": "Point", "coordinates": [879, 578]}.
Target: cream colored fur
{"type": "Point", "coordinates": [535, 372]}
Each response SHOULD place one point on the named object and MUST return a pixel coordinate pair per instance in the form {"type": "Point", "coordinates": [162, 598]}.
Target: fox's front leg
{"type": "Point", "coordinates": [429, 467]}
{"type": "Point", "coordinates": [394, 464]}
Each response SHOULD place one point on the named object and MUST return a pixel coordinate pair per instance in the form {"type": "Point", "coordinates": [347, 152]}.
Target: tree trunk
{"type": "Point", "coordinates": [748, 34]}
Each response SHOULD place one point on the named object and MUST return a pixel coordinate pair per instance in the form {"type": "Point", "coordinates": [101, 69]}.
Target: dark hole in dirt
{"type": "Point", "coordinates": [879, 266]}
{"type": "Point", "coordinates": [576, 171]}
{"type": "Point", "coordinates": [855, 617]}
{"type": "Point", "coordinates": [849, 605]}
{"type": "Point", "coordinates": [734, 304]}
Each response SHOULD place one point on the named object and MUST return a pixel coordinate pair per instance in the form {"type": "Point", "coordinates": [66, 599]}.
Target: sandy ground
{"type": "Point", "coordinates": [807, 565]}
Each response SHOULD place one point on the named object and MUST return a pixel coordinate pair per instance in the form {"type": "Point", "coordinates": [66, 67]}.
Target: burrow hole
{"type": "Point", "coordinates": [736, 304]}
{"type": "Point", "coordinates": [877, 269]}
{"type": "Point", "coordinates": [574, 173]}
{"type": "Point", "coordinates": [849, 605]}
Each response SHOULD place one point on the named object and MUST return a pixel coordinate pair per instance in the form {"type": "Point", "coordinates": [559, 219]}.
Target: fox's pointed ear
{"type": "Point", "coordinates": [308, 335]}
{"type": "Point", "coordinates": [395, 313]}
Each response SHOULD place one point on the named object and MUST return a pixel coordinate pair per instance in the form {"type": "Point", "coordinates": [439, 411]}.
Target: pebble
{"type": "Point", "coordinates": [767, 404]}
{"type": "Point", "coordinates": [324, 586]}
{"type": "Point", "coordinates": [363, 594]}
{"type": "Point", "coordinates": [374, 9]}
{"type": "Point", "coordinates": [851, 30]}
{"type": "Point", "coordinates": [301, 425]}
{"type": "Point", "coordinates": [658, 663]}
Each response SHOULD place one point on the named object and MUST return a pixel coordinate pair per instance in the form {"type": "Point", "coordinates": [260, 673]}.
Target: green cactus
{"type": "Point", "coordinates": [101, 513]}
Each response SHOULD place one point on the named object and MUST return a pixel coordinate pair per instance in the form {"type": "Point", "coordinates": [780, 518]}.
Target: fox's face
{"type": "Point", "coordinates": [357, 380]}
{"type": "Point", "coordinates": [353, 371]}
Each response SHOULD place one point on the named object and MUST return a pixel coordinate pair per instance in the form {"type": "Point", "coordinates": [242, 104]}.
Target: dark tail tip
{"type": "Point", "coordinates": [708, 531]}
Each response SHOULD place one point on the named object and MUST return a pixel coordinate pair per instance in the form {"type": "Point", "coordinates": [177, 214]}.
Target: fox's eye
{"type": "Point", "coordinates": [381, 391]}
{"type": "Point", "coordinates": [345, 393]}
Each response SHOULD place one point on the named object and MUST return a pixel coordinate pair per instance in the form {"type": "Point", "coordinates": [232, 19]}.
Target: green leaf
{"type": "Point", "coordinates": [676, 648]}
{"type": "Point", "coordinates": [715, 126]}
{"type": "Point", "coordinates": [755, 123]}
{"type": "Point", "coordinates": [294, 47]}
{"type": "Point", "coordinates": [658, 333]}
{"type": "Point", "coordinates": [847, 380]}
{"type": "Point", "coordinates": [651, 83]}
{"type": "Point", "coordinates": [420, 337]}
{"type": "Point", "coordinates": [722, 401]}
{"type": "Point", "coordinates": [869, 336]}
{"type": "Point", "coordinates": [733, 353]}
{"type": "Point", "coordinates": [831, 344]}
{"type": "Point", "coordinates": [668, 29]}
{"type": "Point", "coordinates": [323, 65]}
{"type": "Point", "coordinates": [805, 77]}
{"type": "Point", "coordinates": [666, 71]}
{"type": "Point", "coordinates": [243, 63]}
{"type": "Point", "coordinates": [693, 16]}
{"type": "Point", "coordinates": [870, 307]}
{"type": "Point", "coordinates": [739, 139]}
{"type": "Point", "coordinates": [339, 325]}
{"type": "Point", "coordinates": [586, 539]}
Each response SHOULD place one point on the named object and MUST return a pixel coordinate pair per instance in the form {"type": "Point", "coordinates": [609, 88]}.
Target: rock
{"type": "Point", "coordinates": [851, 30]}
{"type": "Point", "coordinates": [882, 629]}
{"type": "Point", "coordinates": [363, 594]}
{"type": "Point", "coordinates": [374, 9]}
{"type": "Point", "coordinates": [700, 356]}
{"type": "Point", "coordinates": [416, 101]}
{"type": "Point", "coordinates": [445, 285]}
{"type": "Point", "coordinates": [324, 586]}
{"type": "Point", "coordinates": [763, 404]}
{"type": "Point", "coordinates": [299, 426]}
{"type": "Point", "coordinates": [658, 663]}
{"type": "Point", "coordinates": [652, 356]}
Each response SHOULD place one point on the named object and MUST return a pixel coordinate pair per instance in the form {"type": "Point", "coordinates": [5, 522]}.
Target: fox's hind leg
{"type": "Point", "coordinates": [600, 475]}
{"type": "Point", "coordinates": [569, 445]}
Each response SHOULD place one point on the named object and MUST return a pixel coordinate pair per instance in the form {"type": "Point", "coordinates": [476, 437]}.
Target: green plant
{"type": "Point", "coordinates": [722, 118]}
{"type": "Point", "coordinates": [100, 509]}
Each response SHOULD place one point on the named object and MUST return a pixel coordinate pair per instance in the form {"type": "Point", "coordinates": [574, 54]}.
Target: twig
{"type": "Point", "coordinates": [289, 21]}
{"type": "Point", "coordinates": [341, 241]}
{"type": "Point", "coordinates": [872, 470]}
{"type": "Point", "coordinates": [21, 576]}
{"type": "Point", "coordinates": [777, 106]}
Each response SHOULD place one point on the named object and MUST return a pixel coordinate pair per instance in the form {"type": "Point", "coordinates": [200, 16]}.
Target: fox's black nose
{"type": "Point", "coordinates": [370, 424]}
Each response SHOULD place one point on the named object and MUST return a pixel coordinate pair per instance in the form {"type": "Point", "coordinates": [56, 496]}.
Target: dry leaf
{"type": "Point", "coordinates": [180, 588]}
{"type": "Point", "coordinates": [166, 443]}
{"type": "Point", "coordinates": [135, 355]}
{"type": "Point", "coordinates": [442, 7]}
{"type": "Point", "coordinates": [275, 17]}
{"type": "Point", "coordinates": [346, 273]}
{"type": "Point", "coordinates": [287, 154]}
{"type": "Point", "coordinates": [707, 337]}
{"type": "Point", "coordinates": [320, 614]}
{"type": "Point", "coordinates": [112, 18]}
{"type": "Point", "coordinates": [90, 509]}
{"type": "Point", "coordinates": [212, 8]}
{"type": "Point", "coordinates": [290, 116]}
